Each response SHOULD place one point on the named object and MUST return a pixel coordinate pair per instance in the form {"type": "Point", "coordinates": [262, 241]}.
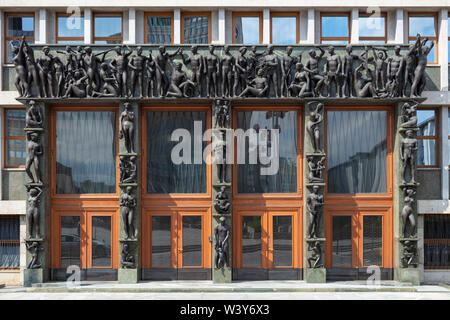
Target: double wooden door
{"type": "Point", "coordinates": [176, 244]}
{"type": "Point", "coordinates": [265, 240]}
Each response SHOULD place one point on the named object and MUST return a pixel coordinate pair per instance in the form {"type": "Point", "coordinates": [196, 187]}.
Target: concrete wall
{"type": "Point", "coordinates": [430, 187]}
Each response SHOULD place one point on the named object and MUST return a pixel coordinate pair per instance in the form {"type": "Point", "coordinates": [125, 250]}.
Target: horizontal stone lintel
{"type": "Point", "coordinates": [236, 101]}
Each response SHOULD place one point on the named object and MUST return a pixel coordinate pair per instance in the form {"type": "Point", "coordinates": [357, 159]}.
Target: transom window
{"type": "Point", "coordinates": [159, 27]}
{"type": "Point", "coordinates": [284, 28]}
{"type": "Point", "coordinates": [427, 136]}
{"type": "Point", "coordinates": [426, 26]}
{"type": "Point", "coordinates": [196, 28]}
{"type": "Point", "coordinates": [247, 27]}
{"type": "Point", "coordinates": [334, 28]}
{"type": "Point", "coordinates": [108, 28]}
{"type": "Point", "coordinates": [17, 25]}
{"type": "Point", "coordinates": [69, 29]}
{"type": "Point", "coordinates": [372, 28]}
{"type": "Point", "coordinates": [15, 141]}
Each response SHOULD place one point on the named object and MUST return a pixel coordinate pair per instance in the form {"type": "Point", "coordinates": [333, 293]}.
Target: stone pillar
{"type": "Point", "coordinates": [443, 49]}
{"type": "Point", "coordinates": [221, 25]}
{"type": "Point", "coordinates": [314, 188]}
{"type": "Point", "coordinates": [88, 25]}
{"type": "Point", "coordinates": [42, 35]}
{"type": "Point", "coordinates": [354, 36]}
{"type": "Point", "coordinates": [266, 26]}
{"type": "Point", "coordinates": [38, 202]}
{"type": "Point", "coordinates": [399, 27]}
{"type": "Point", "coordinates": [405, 240]}
{"type": "Point", "coordinates": [221, 182]}
{"type": "Point", "coordinates": [177, 26]}
{"type": "Point", "coordinates": [129, 182]}
{"type": "Point", "coordinates": [311, 26]}
{"type": "Point", "coordinates": [131, 26]}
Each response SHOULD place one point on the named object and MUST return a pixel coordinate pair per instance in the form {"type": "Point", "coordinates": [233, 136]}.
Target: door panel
{"type": "Point", "coordinates": [175, 242]}
{"type": "Point", "coordinates": [251, 253]}
{"type": "Point", "coordinates": [70, 241]}
{"type": "Point", "coordinates": [280, 240]}
{"type": "Point", "coordinates": [372, 240]}
{"type": "Point", "coordinates": [342, 251]}
{"type": "Point", "coordinates": [101, 241]}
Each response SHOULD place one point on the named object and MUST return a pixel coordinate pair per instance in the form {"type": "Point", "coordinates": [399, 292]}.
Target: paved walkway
{"type": "Point", "coordinates": [241, 290]}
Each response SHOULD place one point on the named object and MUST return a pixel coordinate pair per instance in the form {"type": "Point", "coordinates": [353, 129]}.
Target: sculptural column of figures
{"type": "Point", "coordinates": [408, 217]}
{"type": "Point", "coordinates": [312, 126]}
{"type": "Point", "coordinates": [314, 261]}
{"type": "Point", "coordinates": [314, 204]}
{"type": "Point", "coordinates": [127, 119]}
{"type": "Point", "coordinates": [128, 205]}
{"type": "Point", "coordinates": [408, 148]}
{"type": "Point", "coordinates": [126, 258]}
{"type": "Point", "coordinates": [221, 237]}
{"type": "Point", "coordinates": [34, 249]}
{"type": "Point", "coordinates": [33, 213]}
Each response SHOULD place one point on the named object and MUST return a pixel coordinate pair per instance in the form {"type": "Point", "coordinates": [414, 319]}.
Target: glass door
{"type": "Point", "coordinates": [356, 239]}
{"type": "Point", "coordinates": [266, 240]}
{"type": "Point", "coordinates": [175, 242]}
{"type": "Point", "coordinates": [86, 239]}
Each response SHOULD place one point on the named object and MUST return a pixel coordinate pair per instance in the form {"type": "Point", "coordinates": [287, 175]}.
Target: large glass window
{"type": "Point", "coordinates": [342, 241]}
{"type": "Point", "coordinates": [258, 175]}
{"type": "Point", "coordinates": [196, 28]}
{"type": "Point", "coordinates": [15, 143]}
{"type": "Point", "coordinates": [427, 137]}
{"type": "Point", "coordinates": [107, 28]}
{"type": "Point", "coordinates": [282, 240]}
{"type": "Point", "coordinates": [372, 28]}
{"type": "Point", "coordinates": [425, 25]}
{"type": "Point", "coordinates": [161, 241]}
{"type": "Point", "coordinates": [335, 28]}
{"type": "Point", "coordinates": [284, 28]}
{"type": "Point", "coordinates": [247, 27]}
{"type": "Point", "coordinates": [85, 152]}
{"type": "Point", "coordinates": [192, 241]}
{"type": "Point", "coordinates": [70, 29]}
{"type": "Point", "coordinates": [357, 151]}
{"type": "Point", "coordinates": [101, 241]}
{"type": "Point", "coordinates": [372, 240]}
{"type": "Point", "coordinates": [437, 241]}
{"type": "Point", "coordinates": [164, 174]}
{"type": "Point", "coordinates": [9, 242]}
{"type": "Point", "coordinates": [158, 28]}
{"type": "Point", "coordinates": [251, 241]}
{"type": "Point", "coordinates": [17, 25]}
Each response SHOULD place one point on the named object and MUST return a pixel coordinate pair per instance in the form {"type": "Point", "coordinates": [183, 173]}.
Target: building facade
{"type": "Point", "coordinates": [112, 202]}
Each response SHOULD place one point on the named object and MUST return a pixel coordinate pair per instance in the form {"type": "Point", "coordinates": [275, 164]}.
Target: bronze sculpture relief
{"type": "Point", "coordinates": [314, 204]}
{"type": "Point", "coordinates": [222, 202]}
{"type": "Point", "coordinates": [408, 149]}
{"type": "Point", "coordinates": [222, 236]}
{"type": "Point", "coordinates": [128, 204]}
{"type": "Point", "coordinates": [312, 126]}
{"type": "Point", "coordinates": [127, 127]}
{"type": "Point", "coordinates": [33, 214]}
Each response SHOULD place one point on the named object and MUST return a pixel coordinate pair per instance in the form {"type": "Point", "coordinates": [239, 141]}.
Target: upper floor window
{"type": "Point", "coordinates": [284, 28]}
{"type": "Point", "coordinates": [158, 27]}
{"type": "Point", "coordinates": [247, 27]}
{"type": "Point", "coordinates": [334, 28]}
{"type": "Point", "coordinates": [427, 136]}
{"type": "Point", "coordinates": [196, 27]}
{"type": "Point", "coordinates": [426, 26]}
{"type": "Point", "coordinates": [372, 28]}
{"type": "Point", "coordinates": [108, 28]}
{"type": "Point", "coordinates": [69, 29]}
{"type": "Point", "coordinates": [17, 25]}
{"type": "Point", "coordinates": [15, 150]}
{"type": "Point", "coordinates": [436, 241]}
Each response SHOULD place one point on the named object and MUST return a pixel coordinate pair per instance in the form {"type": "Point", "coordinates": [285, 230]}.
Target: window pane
{"type": "Point", "coordinates": [85, 152]}
{"type": "Point", "coordinates": [15, 152]}
{"type": "Point", "coordinates": [334, 41]}
{"type": "Point", "coordinates": [335, 26]}
{"type": "Point", "coordinates": [247, 30]}
{"type": "Point", "coordinates": [426, 155]}
{"type": "Point", "coordinates": [431, 57]}
{"type": "Point", "coordinates": [101, 241]}
{"type": "Point", "coordinates": [284, 30]}
{"type": "Point", "coordinates": [425, 26]}
{"type": "Point", "coordinates": [108, 26]}
{"type": "Point", "coordinates": [371, 41]}
{"type": "Point", "coordinates": [70, 241]}
{"type": "Point", "coordinates": [15, 122]}
{"type": "Point", "coordinates": [251, 241]}
{"type": "Point", "coordinates": [357, 151]}
{"type": "Point", "coordinates": [342, 241]}
{"type": "Point", "coordinates": [372, 240]}
{"type": "Point", "coordinates": [163, 175]}
{"type": "Point", "coordinates": [9, 242]}
{"type": "Point", "coordinates": [192, 241]}
{"type": "Point", "coordinates": [426, 121]}
{"type": "Point", "coordinates": [159, 29]}
{"type": "Point", "coordinates": [282, 241]}
{"type": "Point", "coordinates": [437, 241]}
{"type": "Point", "coordinates": [257, 177]}
{"type": "Point", "coordinates": [371, 26]}
{"type": "Point", "coordinates": [71, 41]}
{"type": "Point", "coordinates": [17, 26]}
{"type": "Point", "coordinates": [196, 30]}
{"type": "Point", "coordinates": [71, 27]}
{"type": "Point", "coordinates": [108, 41]}
{"type": "Point", "coordinates": [161, 241]}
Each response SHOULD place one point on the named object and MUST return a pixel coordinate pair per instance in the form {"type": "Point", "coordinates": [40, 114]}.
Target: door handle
{"type": "Point", "coordinates": [180, 250]}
